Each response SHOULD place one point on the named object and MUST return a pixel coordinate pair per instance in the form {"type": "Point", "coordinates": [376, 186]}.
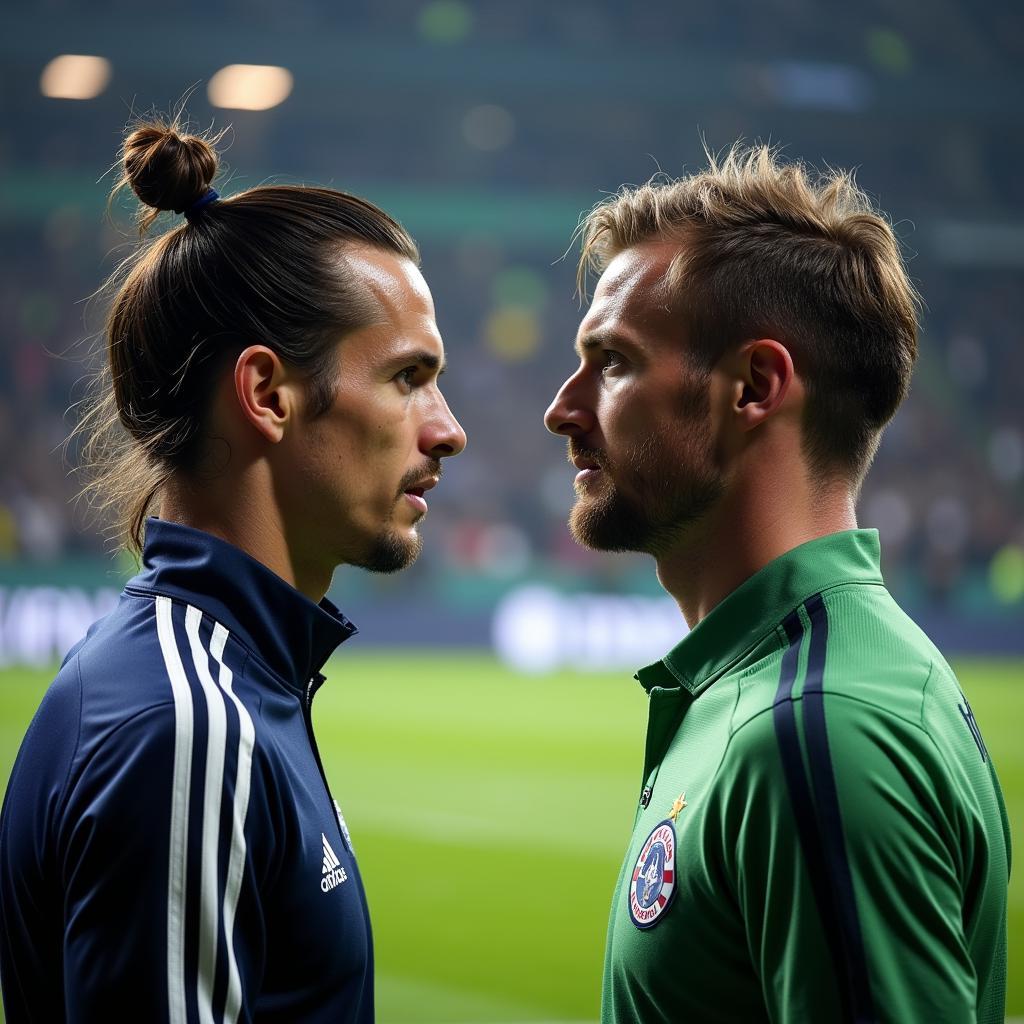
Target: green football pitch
{"type": "Point", "coordinates": [489, 812]}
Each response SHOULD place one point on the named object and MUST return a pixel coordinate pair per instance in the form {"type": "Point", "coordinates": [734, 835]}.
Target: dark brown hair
{"type": "Point", "coordinates": [769, 249]}
{"type": "Point", "coordinates": [266, 266]}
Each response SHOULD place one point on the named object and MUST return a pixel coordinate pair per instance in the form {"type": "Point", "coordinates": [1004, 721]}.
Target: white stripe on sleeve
{"type": "Point", "coordinates": [213, 789]}
{"type": "Point", "coordinates": [181, 782]}
{"type": "Point", "coordinates": [247, 740]}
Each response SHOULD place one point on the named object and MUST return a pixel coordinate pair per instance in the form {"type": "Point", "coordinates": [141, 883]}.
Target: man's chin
{"type": "Point", "coordinates": [607, 523]}
{"type": "Point", "coordinates": [612, 522]}
{"type": "Point", "coordinates": [391, 552]}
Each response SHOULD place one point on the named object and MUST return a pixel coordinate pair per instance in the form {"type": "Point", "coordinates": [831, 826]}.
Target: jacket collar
{"type": "Point", "coordinates": [284, 628]}
{"type": "Point", "coordinates": [759, 604]}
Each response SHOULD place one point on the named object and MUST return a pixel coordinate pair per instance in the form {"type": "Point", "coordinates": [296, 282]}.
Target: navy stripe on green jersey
{"type": "Point", "coordinates": [818, 819]}
{"type": "Point", "coordinates": [784, 718]}
{"type": "Point", "coordinates": [829, 818]}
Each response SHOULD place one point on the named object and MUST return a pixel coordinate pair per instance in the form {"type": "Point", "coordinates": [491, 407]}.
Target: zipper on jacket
{"type": "Point", "coordinates": [312, 686]}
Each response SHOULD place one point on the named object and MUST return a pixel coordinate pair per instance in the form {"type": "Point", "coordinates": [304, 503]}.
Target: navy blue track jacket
{"type": "Point", "coordinates": [169, 850]}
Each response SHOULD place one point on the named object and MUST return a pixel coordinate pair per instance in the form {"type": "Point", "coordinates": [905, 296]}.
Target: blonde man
{"type": "Point", "coordinates": [820, 833]}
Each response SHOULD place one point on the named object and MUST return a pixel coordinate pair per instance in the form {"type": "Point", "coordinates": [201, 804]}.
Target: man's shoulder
{"type": "Point", "coordinates": [106, 690]}
{"type": "Point", "coordinates": [143, 673]}
{"type": "Point", "coordinates": [858, 677]}
{"type": "Point", "coordinates": [868, 631]}
{"type": "Point", "coordinates": [878, 657]}
{"type": "Point", "coordinates": [118, 663]}
{"type": "Point", "coordinates": [136, 689]}
{"type": "Point", "coordinates": [150, 646]}
{"type": "Point", "coordinates": [851, 640]}
{"type": "Point", "coordinates": [873, 653]}
{"type": "Point", "coordinates": [92, 669]}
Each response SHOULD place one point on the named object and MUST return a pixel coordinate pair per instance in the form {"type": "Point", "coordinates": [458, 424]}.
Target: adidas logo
{"type": "Point", "coordinates": [334, 874]}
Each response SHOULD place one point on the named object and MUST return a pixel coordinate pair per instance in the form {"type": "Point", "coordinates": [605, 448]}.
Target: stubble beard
{"type": "Point", "coordinates": [390, 552]}
{"type": "Point", "coordinates": [673, 485]}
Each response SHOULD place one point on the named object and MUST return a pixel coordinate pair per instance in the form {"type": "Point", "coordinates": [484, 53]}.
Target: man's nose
{"type": "Point", "coordinates": [445, 436]}
{"type": "Point", "coordinates": [567, 414]}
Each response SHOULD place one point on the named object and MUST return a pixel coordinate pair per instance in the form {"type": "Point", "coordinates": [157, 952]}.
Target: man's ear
{"type": "Point", "coordinates": [764, 378]}
{"type": "Point", "coordinates": [266, 391]}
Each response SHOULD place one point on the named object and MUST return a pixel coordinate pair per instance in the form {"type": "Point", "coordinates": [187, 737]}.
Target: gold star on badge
{"type": "Point", "coordinates": [677, 805]}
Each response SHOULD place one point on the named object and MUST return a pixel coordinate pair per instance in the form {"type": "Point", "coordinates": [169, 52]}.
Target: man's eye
{"type": "Point", "coordinates": [610, 358]}
{"type": "Point", "coordinates": [407, 377]}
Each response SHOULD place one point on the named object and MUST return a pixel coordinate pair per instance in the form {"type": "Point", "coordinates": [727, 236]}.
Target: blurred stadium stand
{"type": "Point", "coordinates": [487, 128]}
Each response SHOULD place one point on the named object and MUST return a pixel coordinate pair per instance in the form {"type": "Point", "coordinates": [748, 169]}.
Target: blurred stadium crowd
{"type": "Point", "coordinates": [488, 128]}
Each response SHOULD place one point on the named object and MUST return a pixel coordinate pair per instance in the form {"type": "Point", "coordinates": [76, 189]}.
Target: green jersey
{"type": "Point", "coordinates": [821, 835]}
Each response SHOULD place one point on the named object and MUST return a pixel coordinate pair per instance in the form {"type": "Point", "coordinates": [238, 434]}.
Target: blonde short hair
{"type": "Point", "coordinates": [769, 248]}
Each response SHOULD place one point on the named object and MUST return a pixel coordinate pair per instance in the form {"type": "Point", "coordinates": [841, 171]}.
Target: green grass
{"type": "Point", "coordinates": [490, 810]}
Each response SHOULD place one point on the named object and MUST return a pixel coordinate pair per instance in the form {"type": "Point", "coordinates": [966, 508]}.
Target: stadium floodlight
{"type": "Point", "coordinates": [75, 76]}
{"type": "Point", "coordinates": [250, 86]}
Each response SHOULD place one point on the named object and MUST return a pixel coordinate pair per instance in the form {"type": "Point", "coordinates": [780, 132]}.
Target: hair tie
{"type": "Point", "coordinates": [209, 196]}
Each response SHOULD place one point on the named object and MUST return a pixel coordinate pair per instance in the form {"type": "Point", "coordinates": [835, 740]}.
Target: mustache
{"type": "Point", "coordinates": [430, 468]}
{"type": "Point", "coordinates": [574, 450]}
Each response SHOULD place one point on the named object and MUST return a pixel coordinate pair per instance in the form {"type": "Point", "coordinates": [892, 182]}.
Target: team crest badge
{"type": "Point", "coordinates": [344, 827]}
{"type": "Point", "coordinates": [654, 877]}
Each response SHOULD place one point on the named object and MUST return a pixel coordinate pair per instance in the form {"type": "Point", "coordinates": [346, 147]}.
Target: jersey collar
{"type": "Point", "coordinates": [284, 628]}
{"type": "Point", "coordinates": [755, 608]}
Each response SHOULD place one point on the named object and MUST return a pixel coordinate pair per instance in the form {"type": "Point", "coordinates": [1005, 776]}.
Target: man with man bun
{"type": "Point", "coordinates": [820, 834]}
{"type": "Point", "coordinates": [169, 846]}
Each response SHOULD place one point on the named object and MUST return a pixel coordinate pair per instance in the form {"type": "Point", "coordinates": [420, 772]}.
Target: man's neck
{"type": "Point", "coordinates": [242, 514]}
{"type": "Point", "coordinates": [750, 527]}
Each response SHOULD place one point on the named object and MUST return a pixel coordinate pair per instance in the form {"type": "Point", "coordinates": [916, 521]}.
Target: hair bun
{"type": "Point", "coordinates": [167, 170]}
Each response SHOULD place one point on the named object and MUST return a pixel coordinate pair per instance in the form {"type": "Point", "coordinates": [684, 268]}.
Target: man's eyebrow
{"type": "Point", "coordinates": [595, 339]}
{"type": "Point", "coordinates": [424, 358]}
